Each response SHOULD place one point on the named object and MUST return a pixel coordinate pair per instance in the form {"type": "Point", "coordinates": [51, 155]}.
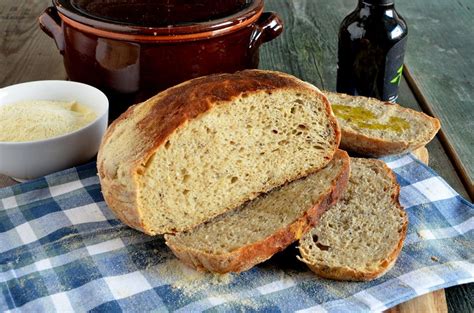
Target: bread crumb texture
{"type": "Point", "coordinates": [207, 146]}
{"type": "Point", "coordinates": [225, 156]}
{"type": "Point", "coordinates": [264, 216]}
{"type": "Point", "coordinates": [363, 231]}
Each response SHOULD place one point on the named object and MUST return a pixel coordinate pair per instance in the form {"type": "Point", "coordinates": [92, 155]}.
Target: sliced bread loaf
{"type": "Point", "coordinates": [374, 128]}
{"type": "Point", "coordinates": [360, 237]}
{"type": "Point", "coordinates": [210, 144]}
{"type": "Point", "coordinates": [252, 233]}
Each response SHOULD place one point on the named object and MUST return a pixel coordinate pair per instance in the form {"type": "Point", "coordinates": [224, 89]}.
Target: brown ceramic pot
{"type": "Point", "coordinates": [133, 49]}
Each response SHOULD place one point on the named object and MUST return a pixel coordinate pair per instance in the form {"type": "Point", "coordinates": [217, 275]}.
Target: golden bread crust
{"type": "Point", "coordinates": [133, 138]}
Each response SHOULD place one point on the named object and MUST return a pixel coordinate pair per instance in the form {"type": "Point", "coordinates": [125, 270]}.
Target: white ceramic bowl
{"type": "Point", "coordinates": [33, 159]}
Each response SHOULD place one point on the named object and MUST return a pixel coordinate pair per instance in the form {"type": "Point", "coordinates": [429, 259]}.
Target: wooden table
{"type": "Point", "coordinates": [438, 79]}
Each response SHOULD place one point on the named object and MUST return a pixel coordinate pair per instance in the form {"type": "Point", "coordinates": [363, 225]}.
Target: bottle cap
{"type": "Point", "coordinates": [378, 2]}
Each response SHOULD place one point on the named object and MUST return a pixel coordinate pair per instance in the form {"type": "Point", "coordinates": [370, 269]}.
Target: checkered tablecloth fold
{"type": "Point", "coordinates": [62, 249]}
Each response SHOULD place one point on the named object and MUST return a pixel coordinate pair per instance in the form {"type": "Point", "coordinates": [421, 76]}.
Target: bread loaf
{"type": "Point", "coordinates": [360, 237]}
{"type": "Point", "coordinates": [374, 128]}
{"type": "Point", "coordinates": [252, 233]}
{"type": "Point", "coordinates": [208, 145]}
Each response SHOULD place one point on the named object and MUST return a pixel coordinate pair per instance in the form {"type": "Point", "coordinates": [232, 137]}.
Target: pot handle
{"type": "Point", "coordinates": [269, 26]}
{"type": "Point", "coordinates": [50, 23]}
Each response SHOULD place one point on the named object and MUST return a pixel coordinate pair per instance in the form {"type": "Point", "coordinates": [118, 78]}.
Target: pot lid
{"type": "Point", "coordinates": [180, 16]}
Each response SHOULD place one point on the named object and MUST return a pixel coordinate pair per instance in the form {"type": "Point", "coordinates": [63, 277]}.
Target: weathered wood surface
{"type": "Point", "coordinates": [307, 49]}
{"type": "Point", "coordinates": [430, 302]}
{"type": "Point", "coordinates": [26, 53]}
{"type": "Point", "coordinates": [460, 298]}
{"type": "Point", "coordinates": [440, 59]}
{"type": "Point", "coordinates": [439, 161]}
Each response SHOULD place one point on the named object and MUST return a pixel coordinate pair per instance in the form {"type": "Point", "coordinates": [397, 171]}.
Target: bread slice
{"type": "Point", "coordinates": [422, 154]}
{"type": "Point", "coordinates": [252, 233]}
{"type": "Point", "coordinates": [374, 128]}
{"type": "Point", "coordinates": [210, 144]}
{"type": "Point", "coordinates": [360, 237]}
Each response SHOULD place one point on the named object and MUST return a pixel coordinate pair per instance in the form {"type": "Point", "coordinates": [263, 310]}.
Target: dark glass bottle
{"type": "Point", "coordinates": [372, 41]}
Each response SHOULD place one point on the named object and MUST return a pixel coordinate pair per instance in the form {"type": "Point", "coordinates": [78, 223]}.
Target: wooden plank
{"type": "Point", "coordinates": [26, 53]}
{"type": "Point", "coordinates": [439, 160]}
{"type": "Point", "coordinates": [433, 302]}
{"type": "Point", "coordinates": [443, 138]}
{"type": "Point", "coordinates": [460, 298]}
{"type": "Point", "coordinates": [308, 50]}
{"type": "Point", "coordinates": [308, 46]}
{"type": "Point", "coordinates": [440, 60]}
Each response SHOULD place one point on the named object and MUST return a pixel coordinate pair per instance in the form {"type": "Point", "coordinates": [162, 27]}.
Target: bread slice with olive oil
{"type": "Point", "coordinates": [252, 233]}
{"type": "Point", "coordinates": [359, 238]}
{"type": "Point", "coordinates": [375, 128]}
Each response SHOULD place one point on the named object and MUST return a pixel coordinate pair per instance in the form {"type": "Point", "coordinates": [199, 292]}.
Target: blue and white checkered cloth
{"type": "Point", "coordinates": [62, 249]}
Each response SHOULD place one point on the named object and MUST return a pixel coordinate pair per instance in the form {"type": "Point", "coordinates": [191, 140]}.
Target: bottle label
{"type": "Point", "coordinates": [394, 70]}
